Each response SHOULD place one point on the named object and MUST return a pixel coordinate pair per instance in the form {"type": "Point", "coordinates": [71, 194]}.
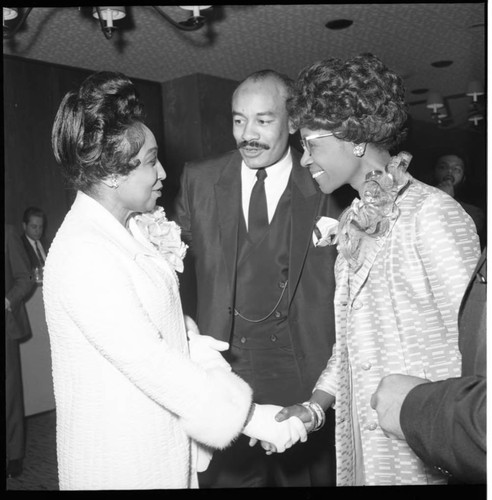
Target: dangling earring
{"type": "Point", "coordinates": [114, 182]}
{"type": "Point", "coordinates": [359, 150]}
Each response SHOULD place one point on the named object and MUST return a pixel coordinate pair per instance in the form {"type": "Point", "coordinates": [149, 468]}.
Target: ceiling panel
{"type": "Point", "coordinates": [240, 39]}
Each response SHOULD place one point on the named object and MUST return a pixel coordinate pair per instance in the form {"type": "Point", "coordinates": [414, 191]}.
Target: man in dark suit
{"type": "Point", "coordinates": [18, 286]}
{"type": "Point", "coordinates": [445, 421]}
{"type": "Point", "coordinates": [260, 279]}
{"type": "Point", "coordinates": [34, 222]}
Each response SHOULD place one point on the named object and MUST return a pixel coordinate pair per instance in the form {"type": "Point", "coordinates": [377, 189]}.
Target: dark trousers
{"type": "Point", "coordinates": [14, 401]}
{"type": "Point", "coordinates": [273, 375]}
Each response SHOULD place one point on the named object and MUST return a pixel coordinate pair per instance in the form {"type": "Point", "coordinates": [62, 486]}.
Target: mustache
{"type": "Point", "coordinates": [253, 144]}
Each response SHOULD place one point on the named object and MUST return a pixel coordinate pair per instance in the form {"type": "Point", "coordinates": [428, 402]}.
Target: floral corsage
{"type": "Point", "coordinates": [325, 231]}
{"type": "Point", "coordinates": [163, 235]}
{"type": "Point", "coordinates": [371, 215]}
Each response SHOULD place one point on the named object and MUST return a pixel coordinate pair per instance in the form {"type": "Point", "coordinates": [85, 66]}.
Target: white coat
{"type": "Point", "coordinates": [129, 401]}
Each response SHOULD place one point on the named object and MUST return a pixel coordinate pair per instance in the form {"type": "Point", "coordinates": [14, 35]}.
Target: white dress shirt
{"type": "Point", "coordinates": [275, 184]}
{"type": "Point", "coordinates": [39, 246]}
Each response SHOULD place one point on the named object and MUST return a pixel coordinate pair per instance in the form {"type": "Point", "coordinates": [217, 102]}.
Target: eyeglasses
{"type": "Point", "coordinates": [305, 140]}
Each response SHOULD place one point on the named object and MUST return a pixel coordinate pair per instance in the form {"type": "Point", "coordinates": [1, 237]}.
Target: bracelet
{"type": "Point", "coordinates": [317, 414]}
{"type": "Point", "coordinates": [321, 414]}
{"type": "Point", "coordinates": [250, 414]}
{"type": "Point", "coordinates": [314, 417]}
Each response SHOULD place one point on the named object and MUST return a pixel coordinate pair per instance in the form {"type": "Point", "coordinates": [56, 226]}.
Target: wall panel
{"type": "Point", "coordinates": [32, 93]}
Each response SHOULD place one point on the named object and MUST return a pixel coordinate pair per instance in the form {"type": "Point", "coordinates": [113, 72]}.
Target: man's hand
{"type": "Point", "coordinates": [447, 186]}
{"type": "Point", "coordinates": [388, 399]}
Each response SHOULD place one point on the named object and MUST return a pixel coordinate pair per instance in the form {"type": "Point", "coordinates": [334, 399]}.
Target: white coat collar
{"type": "Point", "coordinates": [92, 211]}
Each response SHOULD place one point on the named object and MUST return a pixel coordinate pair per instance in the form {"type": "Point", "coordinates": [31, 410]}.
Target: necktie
{"type": "Point", "coordinates": [258, 212]}
{"type": "Point", "coordinates": [39, 254]}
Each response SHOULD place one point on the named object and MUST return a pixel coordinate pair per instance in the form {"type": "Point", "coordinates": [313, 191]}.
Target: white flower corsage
{"type": "Point", "coordinates": [164, 235]}
{"type": "Point", "coordinates": [325, 231]}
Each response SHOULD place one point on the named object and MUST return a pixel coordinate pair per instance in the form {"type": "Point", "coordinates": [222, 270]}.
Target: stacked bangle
{"type": "Point", "coordinates": [317, 414]}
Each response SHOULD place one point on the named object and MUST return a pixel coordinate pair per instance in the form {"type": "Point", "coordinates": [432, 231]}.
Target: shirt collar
{"type": "Point", "coordinates": [30, 240]}
{"type": "Point", "coordinates": [273, 170]}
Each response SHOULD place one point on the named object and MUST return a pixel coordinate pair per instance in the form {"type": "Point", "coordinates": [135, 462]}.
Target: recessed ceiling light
{"type": "Point", "coordinates": [441, 64]}
{"type": "Point", "coordinates": [339, 24]}
{"type": "Point", "coordinates": [419, 91]}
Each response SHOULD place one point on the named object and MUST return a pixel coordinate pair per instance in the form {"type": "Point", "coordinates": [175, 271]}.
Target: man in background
{"type": "Point", "coordinates": [249, 217]}
{"type": "Point", "coordinates": [34, 222]}
{"type": "Point", "coordinates": [18, 286]}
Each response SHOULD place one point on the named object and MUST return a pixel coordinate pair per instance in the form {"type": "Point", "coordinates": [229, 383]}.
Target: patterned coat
{"type": "Point", "coordinates": [397, 314]}
{"type": "Point", "coordinates": [128, 398]}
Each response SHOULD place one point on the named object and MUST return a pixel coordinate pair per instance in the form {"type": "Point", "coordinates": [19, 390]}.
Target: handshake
{"type": "Point", "coordinates": [275, 427]}
{"type": "Point", "coordinates": [274, 436]}
{"type": "Point", "coordinates": [280, 428]}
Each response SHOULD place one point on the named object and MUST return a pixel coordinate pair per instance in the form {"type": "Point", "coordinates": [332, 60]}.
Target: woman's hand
{"type": "Point", "coordinates": [299, 411]}
{"type": "Point", "coordinates": [205, 350]}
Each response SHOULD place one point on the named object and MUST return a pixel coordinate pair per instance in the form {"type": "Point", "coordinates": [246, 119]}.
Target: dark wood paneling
{"type": "Point", "coordinates": [197, 124]}
{"type": "Point", "coordinates": [32, 93]}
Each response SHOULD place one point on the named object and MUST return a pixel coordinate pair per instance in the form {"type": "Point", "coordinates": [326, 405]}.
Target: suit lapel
{"type": "Point", "coordinates": [227, 195]}
{"type": "Point", "coordinates": [305, 205]}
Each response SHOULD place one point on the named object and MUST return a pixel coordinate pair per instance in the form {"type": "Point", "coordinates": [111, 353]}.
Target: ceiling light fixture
{"type": "Point", "coordinates": [12, 22]}
{"type": "Point", "coordinates": [339, 24]}
{"type": "Point", "coordinates": [475, 89]}
{"type": "Point", "coordinates": [476, 113]}
{"type": "Point", "coordinates": [434, 101]}
{"type": "Point", "coordinates": [441, 64]}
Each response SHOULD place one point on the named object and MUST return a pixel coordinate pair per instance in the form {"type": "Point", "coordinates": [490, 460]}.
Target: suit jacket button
{"type": "Point", "coordinates": [372, 426]}
{"type": "Point", "coordinates": [278, 314]}
{"type": "Point", "coordinates": [273, 338]}
{"type": "Point", "coordinates": [281, 284]}
{"type": "Point", "coordinates": [243, 340]}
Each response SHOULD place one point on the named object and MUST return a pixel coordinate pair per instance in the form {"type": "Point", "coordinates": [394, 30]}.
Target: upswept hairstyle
{"type": "Point", "coordinates": [360, 100]}
{"type": "Point", "coordinates": [98, 130]}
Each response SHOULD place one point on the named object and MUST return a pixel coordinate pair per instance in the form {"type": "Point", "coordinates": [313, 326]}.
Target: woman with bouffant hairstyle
{"type": "Point", "coordinates": [406, 252]}
{"type": "Point", "coordinates": [139, 403]}
{"type": "Point", "coordinates": [98, 131]}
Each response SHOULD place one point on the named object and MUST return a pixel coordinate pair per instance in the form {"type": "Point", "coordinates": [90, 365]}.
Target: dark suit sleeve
{"type": "Point", "coordinates": [444, 423]}
{"type": "Point", "coordinates": [182, 213]}
{"type": "Point", "coordinates": [20, 269]}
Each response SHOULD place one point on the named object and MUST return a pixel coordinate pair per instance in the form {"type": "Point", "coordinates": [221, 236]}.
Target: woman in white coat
{"type": "Point", "coordinates": [139, 406]}
{"type": "Point", "coordinates": [406, 253]}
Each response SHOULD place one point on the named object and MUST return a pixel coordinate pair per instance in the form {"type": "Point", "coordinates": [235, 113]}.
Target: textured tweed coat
{"type": "Point", "coordinates": [397, 314]}
{"type": "Point", "coordinates": [128, 398]}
